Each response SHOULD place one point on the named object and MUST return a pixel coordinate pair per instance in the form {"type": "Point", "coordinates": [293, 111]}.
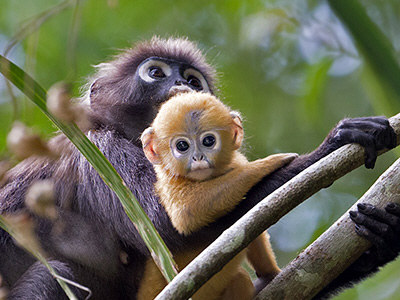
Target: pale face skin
{"type": "Point", "coordinates": [197, 152]}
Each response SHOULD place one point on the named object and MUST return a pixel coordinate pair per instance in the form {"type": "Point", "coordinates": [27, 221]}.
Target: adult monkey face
{"type": "Point", "coordinates": [167, 77]}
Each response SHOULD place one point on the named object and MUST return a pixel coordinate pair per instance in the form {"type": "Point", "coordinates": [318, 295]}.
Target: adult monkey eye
{"type": "Point", "coordinates": [156, 72]}
{"type": "Point", "coordinates": [208, 141]}
{"type": "Point", "coordinates": [195, 82]}
{"type": "Point", "coordinates": [182, 146]}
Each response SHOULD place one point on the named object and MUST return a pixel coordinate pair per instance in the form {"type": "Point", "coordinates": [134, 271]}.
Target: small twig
{"type": "Point", "coordinates": [75, 284]}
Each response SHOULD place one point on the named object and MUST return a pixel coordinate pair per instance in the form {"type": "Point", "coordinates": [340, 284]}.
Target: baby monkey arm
{"type": "Point", "coordinates": [192, 205]}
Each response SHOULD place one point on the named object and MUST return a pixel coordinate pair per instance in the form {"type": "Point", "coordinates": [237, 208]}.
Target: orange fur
{"type": "Point", "coordinates": [193, 204]}
{"type": "Point", "coordinates": [153, 282]}
{"type": "Point", "coordinates": [172, 121]}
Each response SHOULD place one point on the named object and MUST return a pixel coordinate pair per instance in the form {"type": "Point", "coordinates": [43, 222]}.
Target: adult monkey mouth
{"type": "Point", "coordinates": [177, 89]}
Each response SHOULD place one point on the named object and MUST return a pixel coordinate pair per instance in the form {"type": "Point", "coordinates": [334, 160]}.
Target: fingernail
{"type": "Point", "coordinates": [353, 214]}
{"type": "Point", "coordinates": [361, 206]}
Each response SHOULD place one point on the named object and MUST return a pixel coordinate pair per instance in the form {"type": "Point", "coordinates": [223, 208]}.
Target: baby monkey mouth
{"type": "Point", "coordinates": [199, 165]}
{"type": "Point", "coordinates": [200, 171]}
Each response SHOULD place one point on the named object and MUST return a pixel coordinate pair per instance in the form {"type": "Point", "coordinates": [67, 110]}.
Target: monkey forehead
{"type": "Point", "coordinates": [194, 111]}
{"type": "Point", "coordinates": [169, 61]}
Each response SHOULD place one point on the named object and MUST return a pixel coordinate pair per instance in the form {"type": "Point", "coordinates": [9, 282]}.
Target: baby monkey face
{"type": "Point", "coordinates": [197, 152]}
{"type": "Point", "coordinates": [194, 135]}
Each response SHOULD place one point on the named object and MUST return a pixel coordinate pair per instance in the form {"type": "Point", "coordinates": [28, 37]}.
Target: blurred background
{"type": "Point", "coordinates": [289, 66]}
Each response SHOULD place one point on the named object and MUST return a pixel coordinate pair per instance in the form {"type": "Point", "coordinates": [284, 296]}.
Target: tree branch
{"type": "Point", "coordinates": [334, 251]}
{"type": "Point", "coordinates": [266, 213]}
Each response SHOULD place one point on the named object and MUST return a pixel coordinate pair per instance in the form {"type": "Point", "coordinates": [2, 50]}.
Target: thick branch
{"type": "Point", "coordinates": [334, 250]}
{"type": "Point", "coordinates": [320, 175]}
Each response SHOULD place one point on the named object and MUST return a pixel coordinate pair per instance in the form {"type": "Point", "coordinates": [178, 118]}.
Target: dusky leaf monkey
{"type": "Point", "coordinates": [193, 144]}
{"type": "Point", "coordinates": [124, 96]}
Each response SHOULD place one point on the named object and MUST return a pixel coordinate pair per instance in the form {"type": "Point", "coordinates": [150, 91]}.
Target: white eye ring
{"type": "Point", "coordinates": [199, 76]}
{"type": "Point", "coordinates": [174, 142]}
{"type": "Point", "coordinates": [215, 135]}
{"type": "Point", "coordinates": [145, 67]}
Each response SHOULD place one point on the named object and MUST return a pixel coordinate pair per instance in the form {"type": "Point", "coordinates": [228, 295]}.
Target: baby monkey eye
{"type": "Point", "coordinates": [209, 140]}
{"type": "Point", "coordinates": [193, 81]}
{"type": "Point", "coordinates": [156, 72]}
{"type": "Point", "coordinates": [182, 146]}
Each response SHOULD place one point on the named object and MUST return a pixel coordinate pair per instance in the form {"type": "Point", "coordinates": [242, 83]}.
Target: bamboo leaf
{"type": "Point", "coordinates": [159, 251]}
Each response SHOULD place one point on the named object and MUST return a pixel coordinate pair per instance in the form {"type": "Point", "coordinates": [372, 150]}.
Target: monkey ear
{"type": "Point", "coordinates": [147, 139]}
{"type": "Point", "coordinates": [237, 129]}
{"type": "Point", "coordinates": [93, 90]}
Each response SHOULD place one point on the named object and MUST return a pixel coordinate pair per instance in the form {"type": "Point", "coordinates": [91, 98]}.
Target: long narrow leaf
{"type": "Point", "coordinates": [159, 251]}
{"type": "Point", "coordinates": [375, 46]}
{"type": "Point", "coordinates": [314, 85]}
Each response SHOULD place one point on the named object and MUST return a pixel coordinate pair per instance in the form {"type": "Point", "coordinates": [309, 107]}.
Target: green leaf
{"type": "Point", "coordinates": [375, 46]}
{"type": "Point", "coordinates": [313, 88]}
{"type": "Point", "coordinates": [159, 251]}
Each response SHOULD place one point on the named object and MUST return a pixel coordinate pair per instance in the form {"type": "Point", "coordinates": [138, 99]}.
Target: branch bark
{"type": "Point", "coordinates": [335, 250]}
{"type": "Point", "coordinates": [266, 213]}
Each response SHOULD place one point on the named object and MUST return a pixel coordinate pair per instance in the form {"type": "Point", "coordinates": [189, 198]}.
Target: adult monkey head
{"type": "Point", "coordinates": [125, 93]}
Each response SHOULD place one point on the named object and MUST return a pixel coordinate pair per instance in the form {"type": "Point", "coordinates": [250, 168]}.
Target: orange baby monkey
{"type": "Point", "coordinates": [193, 144]}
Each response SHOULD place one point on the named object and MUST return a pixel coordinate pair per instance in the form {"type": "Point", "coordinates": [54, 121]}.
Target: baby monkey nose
{"type": "Point", "coordinates": [199, 157]}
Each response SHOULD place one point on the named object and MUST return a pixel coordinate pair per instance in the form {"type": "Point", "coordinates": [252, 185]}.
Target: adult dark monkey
{"type": "Point", "coordinates": [124, 97]}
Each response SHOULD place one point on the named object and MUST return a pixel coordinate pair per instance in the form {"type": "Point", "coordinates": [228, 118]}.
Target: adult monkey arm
{"type": "Point", "coordinates": [378, 226]}
{"type": "Point", "coordinates": [373, 133]}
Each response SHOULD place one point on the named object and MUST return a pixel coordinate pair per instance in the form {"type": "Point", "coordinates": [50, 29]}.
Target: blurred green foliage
{"type": "Point", "coordinates": [290, 67]}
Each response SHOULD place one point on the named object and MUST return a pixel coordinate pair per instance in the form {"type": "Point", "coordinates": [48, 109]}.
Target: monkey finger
{"type": "Point", "coordinates": [393, 208]}
{"type": "Point", "coordinates": [346, 136]}
{"type": "Point", "coordinates": [390, 140]}
{"type": "Point", "coordinates": [379, 214]}
{"type": "Point", "coordinates": [393, 139]}
{"type": "Point", "coordinates": [376, 119]}
{"type": "Point", "coordinates": [382, 229]}
{"type": "Point", "coordinates": [383, 138]}
{"type": "Point", "coordinates": [365, 123]}
{"type": "Point", "coordinates": [370, 157]}
{"type": "Point", "coordinates": [377, 127]}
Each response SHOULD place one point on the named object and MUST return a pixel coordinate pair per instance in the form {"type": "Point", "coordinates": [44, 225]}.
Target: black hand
{"type": "Point", "coordinates": [373, 133]}
{"type": "Point", "coordinates": [382, 228]}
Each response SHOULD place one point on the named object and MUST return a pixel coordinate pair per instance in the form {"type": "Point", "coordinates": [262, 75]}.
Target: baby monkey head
{"type": "Point", "coordinates": [194, 135]}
